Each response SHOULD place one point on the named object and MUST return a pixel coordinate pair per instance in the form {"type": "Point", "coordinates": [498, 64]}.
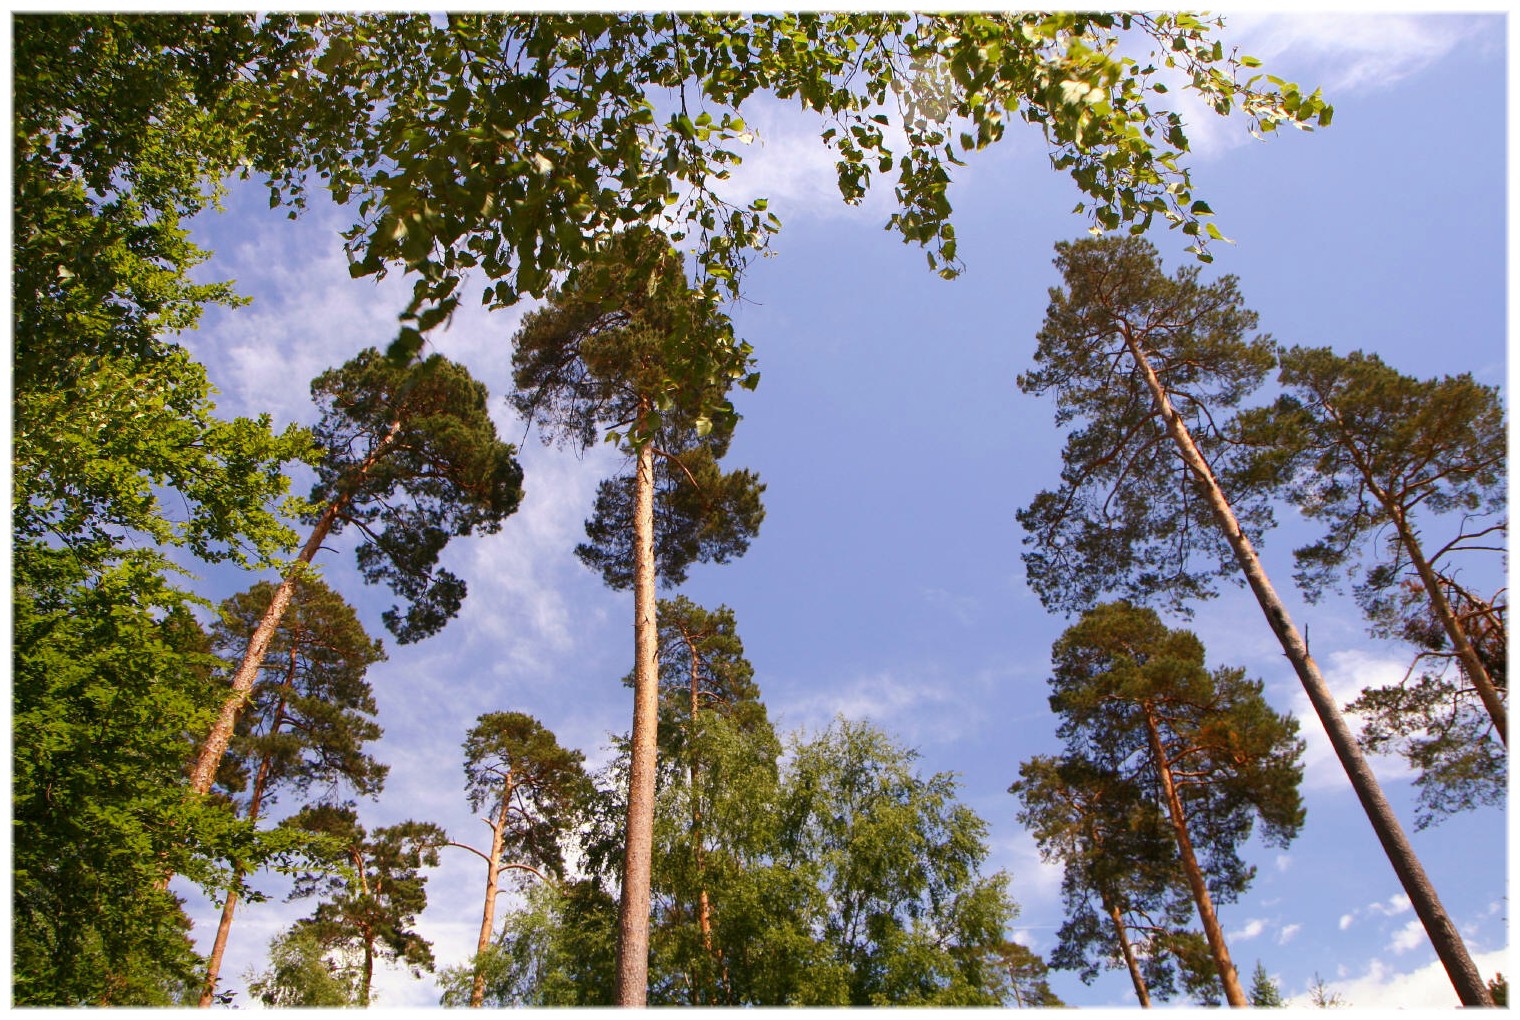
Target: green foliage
{"type": "Point", "coordinates": [303, 973]}
{"type": "Point", "coordinates": [628, 348]}
{"type": "Point", "coordinates": [1387, 463]}
{"type": "Point", "coordinates": [307, 720]}
{"type": "Point", "coordinates": [110, 672]}
{"type": "Point", "coordinates": [559, 949]}
{"type": "Point", "coordinates": [1498, 988]}
{"type": "Point", "coordinates": [837, 875]}
{"type": "Point", "coordinates": [1356, 445]}
{"type": "Point", "coordinates": [367, 908]}
{"type": "Point", "coordinates": [510, 755]}
{"type": "Point", "coordinates": [1128, 518]}
{"type": "Point", "coordinates": [702, 514]}
{"type": "Point", "coordinates": [1264, 991]}
{"type": "Point", "coordinates": [1117, 852]}
{"type": "Point", "coordinates": [1119, 666]}
{"type": "Point", "coordinates": [410, 458]}
{"type": "Point", "coordinates": [516, 143]}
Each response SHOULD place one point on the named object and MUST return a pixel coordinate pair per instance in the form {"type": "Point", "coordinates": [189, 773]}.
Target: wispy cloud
{"type": "Point", "coordinates": [1343, 54]}
{"type": "Point", "coordinates": [1288, 932]}
{"type": "Point", "coordinates": [1411, 936]}
{"type": "Point", "coordinates": [1253, 929]}
{"type": "Point", "coordinates": [1356, 52]}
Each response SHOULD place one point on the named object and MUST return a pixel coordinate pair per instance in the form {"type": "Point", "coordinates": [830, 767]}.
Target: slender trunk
{"type": "Point", "coordinates": [493, 874]}
{"type": "Point", "coordinates": [1466, 653]}
{"type": "Point", "coordinates": [633, 911]}
{"type": "Point", "coordinates": [1233, 993]}
{"type": "Point", "coordinates": [1141, 992]}
{"type": "Point", "coordinates": [255, 802]}
{"type": "Point", "coordinates": [704, 906]}
{"type": "Point", "coordinates": [369, 969]}
{"type": "Point", "coordinates": [1443, 934]}
{"type": "Point", "coordinates": [204, 773]}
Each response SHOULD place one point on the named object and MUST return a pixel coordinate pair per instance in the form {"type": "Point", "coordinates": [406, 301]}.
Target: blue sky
{"type": "Point", "coordinates": [886, 581]}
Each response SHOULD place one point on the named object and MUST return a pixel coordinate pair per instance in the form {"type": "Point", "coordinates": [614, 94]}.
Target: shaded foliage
{"type": "Point", "coordinates": [410, 458]}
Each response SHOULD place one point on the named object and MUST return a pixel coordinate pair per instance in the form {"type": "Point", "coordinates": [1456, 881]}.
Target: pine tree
{"type": "Point", "coordinates": [1126, 896]}
{"type": "Point", "coordinates": [530, 788]}
{"type": "Point", "coordinates": [633, 350]}
{"type": "Point", "coordinates": [368, 909]}
{"type": "Point", "coordinates": [1135, 698]}
{"type": "Point", "coordinates": [306, 721]}
{"type": "Point", "coordinates": [1385, 461]}
{"type": "Point", "coordinates": [1264, 991]}
{"type": "Point", "coordinates": [1154, 364]}
{"type": "Point", "coordinates": [409, 459]}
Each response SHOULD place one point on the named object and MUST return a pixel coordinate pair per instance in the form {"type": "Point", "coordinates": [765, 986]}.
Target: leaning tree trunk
{"type": "Point", "coordinates": [220, 736]}
{"type": "Point", "coordinates": [1443, 934]}
{"type": "Point", "coordinates": [633, 911]}
{"type": "Point", "coordinates": [1228, 978]}
{"type": "Point", "coordinates": [493, 877]}
{"type": "Point", "coordinates": [1136, 978]}
{"type": "Point", "coordinates": [255, 800]}
{"type": "Point", "coordinates": [1472, 665]}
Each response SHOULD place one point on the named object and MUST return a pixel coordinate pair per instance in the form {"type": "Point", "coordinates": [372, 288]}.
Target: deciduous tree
{"type": "Point", "coordinates": [1120, 337]}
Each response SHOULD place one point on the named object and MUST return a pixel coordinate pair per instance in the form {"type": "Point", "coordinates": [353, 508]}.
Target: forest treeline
{"type": "Point", "coordinates": [713, 861]}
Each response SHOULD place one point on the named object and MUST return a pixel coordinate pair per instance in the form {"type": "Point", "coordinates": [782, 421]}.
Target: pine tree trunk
{"type": "Point", "coordinates": [1473, 666]}
{"type": "Point", "coordinates": [1443, 934]}
{"type": "Point", "coordinates": [493, 877]}
{"type": "Point", "coordinates": [220, 736]}
{"type": "Point", "coordinates": [255, 801]}
{"type": "Point", "coordinates": [1228, 978]}
{"type": "Point", "coordinates": [369, 970]}
{"type": "Point", "coordinates": [633, 912]}
{"type": "Point", "coordinates": [1136, 978]}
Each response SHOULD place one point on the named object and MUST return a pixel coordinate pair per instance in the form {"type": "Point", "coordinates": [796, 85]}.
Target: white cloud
{"type": "Point", "coordinates": [1380, 987]}
{"type": "Point", "coordinates": [1252, 929]}
{"type": "Point", "coordinates": [1411, 936]}
{"type": "Point", "coordinates": [1283, 862]}
{"type": "Point", "coordinates": [1352, 52]}
{"type": "Point", "coordinates": [1397, 904]}
{"type": "Point", "coordinates": [1346, 921]}
{"type": "Point", "coordinates": [1343, 54]}
{"type": "Point", "coordinates": [1286, 935]}
{"type": "Point", "coordinates": [1347, 673]}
